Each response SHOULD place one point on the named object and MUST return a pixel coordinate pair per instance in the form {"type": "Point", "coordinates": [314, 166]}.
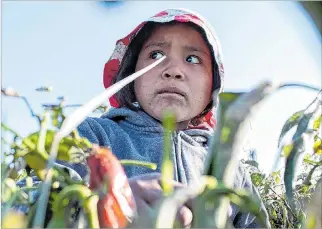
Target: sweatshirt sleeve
{"type": "Point", "coordinates": [93, 131]}
{"type": "Point", "coordinates": [247, 220]}
{"type": "Point", "coordinates": [97, 130]}
{"type": "Point", "coordinates": [86, 130]}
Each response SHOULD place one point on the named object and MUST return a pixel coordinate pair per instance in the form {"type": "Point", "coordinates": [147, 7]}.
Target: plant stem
{"type": "Point", "coordinates": [301, 86]}
{"type": "Point", "coordinates": [90, 210]}
{"type": "Point", "coordinates": [167, 167]}
{"type": "Point", "coordinates": [284, 201]}
{"type": "Point", "coordinates": [149, 165]}
{"type": "Point", "coordinates": [307, 180]}
{"type": "Point", "coordinates": [8, 204]}
{"type": "Point", "coordinates": [29, 188]}
{"type": "Point", "coordinates": [72, 105]}
{"type": "Point", "coordinates": [30, 109]}
{"type": "Point", "coordinates": [42, 134]}
{"type": "Point", "coordinates": [10, 130]}
{"type": "Point", "coordinates": [45, 188]}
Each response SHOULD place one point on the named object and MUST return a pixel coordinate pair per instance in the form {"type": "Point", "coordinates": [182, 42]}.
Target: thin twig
{"type": "Point", "coordinates": [284, 201]}
{"type": "Point", "coordinates": [301, 86]}
{"type": "Point", "coordinates": [30, 109]}
{"type": "Point", "coordinates": [307, 180]}
{"type": "Point", "coordinates": [73, 105]}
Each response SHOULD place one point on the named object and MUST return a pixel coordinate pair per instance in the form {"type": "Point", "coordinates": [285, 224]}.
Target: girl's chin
{"type": "Point", "coordinates": [180, 114]}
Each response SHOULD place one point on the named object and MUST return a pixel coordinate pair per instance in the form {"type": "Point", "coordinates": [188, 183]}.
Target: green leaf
{"type": "Point", "coordinates": [69, 148]}
{"type": "Point", "coordinates": [213, 197]}
{"type": "Point", "coordinates": [317, 147]}
{"type": "Point", "coordinates": [224, 134]}
{"type": "Point", "coordinates": [57, 116]}
{"type": "Point", "coordinates": [13, 219]}
{"type": "Point", "coordinates": [317, 123]}
{"type": "Point", "coordinates": [4, 170]}
{"type": "Point", "coordinates": [8, 189]}
{"type": "Point", "coordinates": [276, 176]}
{"type": "Point", "coordinates": [301, 216]}
{"type": "Point", "coordinates": [314, 210]}
{"type": "Point", "coordinates": [226, 143]}
{"type": "Point", "coordinates": [274, 214]}
{"type": "Point", "coordinates": [290, 123]}
{"type": "Point", "coordinates": [287, 149]}
{"type": "Point", "coordinates": [58, 220]}
{"type": "Point", "coordinates": [227, 98]}
{"type": "Point", "coordinates": [312, 162]}
{"type": "Point", "coordinates": [225, 146]}
{"type": "Point", "coordinates": [285, 217]}
{"type": "Point", "coordinates": [311, 222]}
{"type": "Point", "coordinates": [257, 178]}
{"type": "Point", "coordinates": [21, 175]}
{"type": "Point", "coordinates": [252, 163]}
{"type": "Point", "coordinates": [298, 147]}
{"type": "Point", "coordinates": [36, 160]}
{"type": "Point", "coordinates": [289, 172]}
{"type": "Point", "coordinates": [266, 188]}
{"type": "Point", "coordinates": [78, 192]}
{"type": "Point", "coordinates": [246, 202]}
{"type": "Point", "coordinates": [9, 192]}
{"type": "Point", "coordinates": [304, 189]}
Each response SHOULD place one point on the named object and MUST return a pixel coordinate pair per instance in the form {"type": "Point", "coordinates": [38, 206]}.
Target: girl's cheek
{"type": "Point", "coordinates": [142, 64]}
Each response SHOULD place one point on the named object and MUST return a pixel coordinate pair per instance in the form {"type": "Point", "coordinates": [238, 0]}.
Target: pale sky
{"type": "Point", "coordinates": [66, 44]}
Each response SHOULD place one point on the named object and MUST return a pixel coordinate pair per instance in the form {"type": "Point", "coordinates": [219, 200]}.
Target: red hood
{"type": "Point", "coordinates": [181, 15]}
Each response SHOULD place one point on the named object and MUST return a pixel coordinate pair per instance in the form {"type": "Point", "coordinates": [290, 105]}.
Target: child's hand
{"type": "Point", "coordinates": [147, 191]}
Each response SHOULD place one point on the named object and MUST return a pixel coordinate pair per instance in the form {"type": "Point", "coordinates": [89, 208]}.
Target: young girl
{"type": "Point", "coordinates": [183, 82]}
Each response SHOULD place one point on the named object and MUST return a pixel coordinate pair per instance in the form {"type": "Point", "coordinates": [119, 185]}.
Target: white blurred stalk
{"type": "Point", "coordinates": [69, 124]}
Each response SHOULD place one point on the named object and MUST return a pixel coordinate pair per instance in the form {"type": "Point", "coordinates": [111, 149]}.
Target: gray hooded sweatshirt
{"type": "Point", "coordinates": [136, 135]}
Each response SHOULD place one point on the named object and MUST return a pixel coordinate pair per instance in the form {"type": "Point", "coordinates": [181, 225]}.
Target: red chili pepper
{"type": "Point", "coordinates": [117, 208]}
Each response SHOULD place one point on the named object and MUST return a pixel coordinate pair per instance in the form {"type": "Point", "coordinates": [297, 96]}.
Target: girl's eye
{"type": "Point", "coordinates": [156, 55]}
{"type": "Point", "coordinates": [193, 59]}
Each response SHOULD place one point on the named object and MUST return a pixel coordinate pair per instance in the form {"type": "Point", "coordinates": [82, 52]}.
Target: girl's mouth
{"type": "Point", "coordinates": [172, 91]}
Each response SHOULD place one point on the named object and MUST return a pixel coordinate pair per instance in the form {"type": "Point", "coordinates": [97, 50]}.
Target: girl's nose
{"type": "Point", "coordinates": [173, 72]}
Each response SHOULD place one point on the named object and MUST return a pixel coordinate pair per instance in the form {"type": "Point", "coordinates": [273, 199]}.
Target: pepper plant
{"type": "Point", "coordinates": [53, 197]}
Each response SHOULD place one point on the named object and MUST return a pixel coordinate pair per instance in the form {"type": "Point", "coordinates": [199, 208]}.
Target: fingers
{"type": "Point", "coordinates": [147, 184]}
{"type": "Point", "coordinates": [149, 187]}
{"type": "Point", "coordinates": [147, 191]}
{"type": "Point", "coordinates": [147, 176]}
{"type": "Point", "coordinates": [142, 206]}
{"type": "Point", "coordinates": [189, 203]}
{"type": "Point", "coordinates": [185, 216]}
{"type": "Point", "coordinates": [175, 184]}
{"type": "Point", "coordinates": [146, 188]}
{"type": "Point", "coordinates": [152, 196]}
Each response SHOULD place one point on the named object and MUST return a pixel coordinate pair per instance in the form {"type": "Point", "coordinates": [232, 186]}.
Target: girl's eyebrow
{"type": "Point", "coordinates": [168, 44]}
{"type": "Point", "coordinates": [195, 49]}
{"type": "Point", "coordinates": [157, 44]}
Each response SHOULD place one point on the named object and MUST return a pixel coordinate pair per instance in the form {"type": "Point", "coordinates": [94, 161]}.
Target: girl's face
{"type": "Point", "coordinates": [182, 82]}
